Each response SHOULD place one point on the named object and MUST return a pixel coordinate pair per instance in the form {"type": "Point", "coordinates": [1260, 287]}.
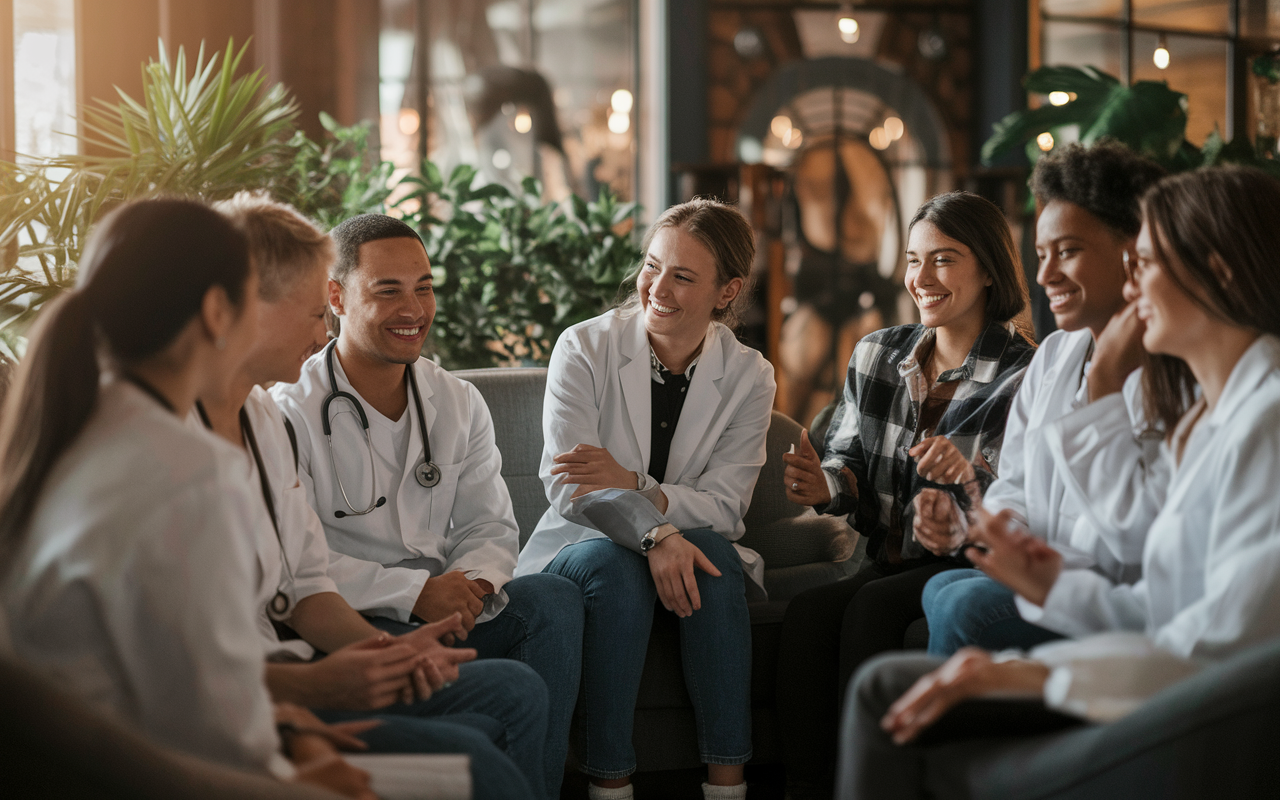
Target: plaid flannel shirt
{"type": "Point", "coordinates": [877, 422]}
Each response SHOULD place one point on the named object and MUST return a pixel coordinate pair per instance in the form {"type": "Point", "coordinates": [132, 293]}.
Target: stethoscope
{"type": "Point", "coordinates": [280, 603]}
{"type": "Point", "coordinates": [426, 473]}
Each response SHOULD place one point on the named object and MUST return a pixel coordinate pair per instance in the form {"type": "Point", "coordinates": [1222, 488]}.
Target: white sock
{"type": "Point", "coordinates": [601, 793]}
{"type": "Point", "coordinates": [738, 792]}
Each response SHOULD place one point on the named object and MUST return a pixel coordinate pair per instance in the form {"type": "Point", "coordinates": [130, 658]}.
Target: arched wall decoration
{"type": "Point", "coordinates": [897, 91]}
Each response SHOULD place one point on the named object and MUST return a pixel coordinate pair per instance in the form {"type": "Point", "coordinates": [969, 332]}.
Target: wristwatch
{"type": "Point", "coordinates": [655, 535]}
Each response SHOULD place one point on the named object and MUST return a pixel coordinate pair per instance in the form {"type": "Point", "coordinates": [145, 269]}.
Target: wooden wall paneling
{"type": "Point", "coordinates": [114, 38]}
{"type": "Point", "coordinates": [8, 132]}
{"type": "Point", "coordinates": [187, 23]}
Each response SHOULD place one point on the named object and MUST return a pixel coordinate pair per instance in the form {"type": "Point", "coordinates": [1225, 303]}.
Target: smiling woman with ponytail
{"type": "Point", "coordinates": [115, 515]}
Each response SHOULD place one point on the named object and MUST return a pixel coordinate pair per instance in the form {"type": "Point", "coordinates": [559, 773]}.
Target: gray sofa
{"type": "Point", "coordinates": [800, 550]}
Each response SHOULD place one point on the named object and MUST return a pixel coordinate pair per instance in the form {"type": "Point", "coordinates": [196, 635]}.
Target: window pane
{"type": "Point", "coordinates": [1198, 69]}
{"type": "Point", "coordinates": [1082, 8]}
{"type": "Point", "coordinates": [44, 76]}
{"type": "Point", "coordinates": [1260, 18]}
{"type": "Point", "coordinates": [1076, 44]}
{"type": "Point", "coordinates": [1193, 15]}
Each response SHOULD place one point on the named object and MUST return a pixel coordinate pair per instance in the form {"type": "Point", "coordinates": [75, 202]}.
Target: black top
{"type": "Point", "coordinates": [667, 401]}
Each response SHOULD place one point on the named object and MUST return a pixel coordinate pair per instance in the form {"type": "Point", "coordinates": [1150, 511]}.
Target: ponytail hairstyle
{"type": "Point", "coordinates": [979, 225]}
{"type": "Point", "coordinates": [143, 277]}
{"type": "Point", "coordinates": [1214, 232]}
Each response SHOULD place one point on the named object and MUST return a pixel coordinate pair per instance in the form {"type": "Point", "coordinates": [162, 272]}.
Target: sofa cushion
{"type": "Point", "coordinates": [514, 396]}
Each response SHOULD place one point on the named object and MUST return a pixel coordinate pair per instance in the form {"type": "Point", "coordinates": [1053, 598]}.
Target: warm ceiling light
{"type": "Point", "coordinates": [879, 138]}
{"type": "Point", "coordinates": [894, 127]}
{"type": "Point", "coordinates": [1045, 141]}
{"type": "Point", "coordinates": [847, 25]}
{"type": "Point", "coordinates": [793, 138]}
{"type": "Point", "coordinates": [619, 122]}
{"type": "Point", "coordinates": [1161, 55]}
{"type": "Point", "coordinates": [408, 122]}
{"type": "Point", "coordinates": [780, 125]}
{"type": "Point", "coordinates": [622, 101]}
{"type": "Point", "coordinates": [1059, 98]}
{"type": "Point", "coordinates": [523, 122]}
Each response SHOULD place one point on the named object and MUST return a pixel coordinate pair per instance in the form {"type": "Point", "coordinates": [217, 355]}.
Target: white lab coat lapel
{"type": "Point", "coordinates": [699, 408]}
{"type": "Point", "coordinates": [634, 376]}
{"type": "Point", "coordinates": [414, 501]}
{"type": "Point", "coordinates": [1250, 372]}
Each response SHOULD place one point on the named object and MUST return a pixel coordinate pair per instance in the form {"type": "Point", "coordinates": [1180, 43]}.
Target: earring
{"type": "Point", "coordinates": [221, 343]}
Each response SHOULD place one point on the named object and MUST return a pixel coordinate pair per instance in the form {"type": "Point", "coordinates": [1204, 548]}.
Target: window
{"type": "Point", "coordinates": [44, 77]}
{"type": "Point", "coordinates": [1199, 47]}
{"type": "Point", "coordinates": [517, 88]}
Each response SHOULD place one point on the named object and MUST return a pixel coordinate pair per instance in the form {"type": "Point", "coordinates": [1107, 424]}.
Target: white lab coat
{"type": "Point", "coordinates": [134, 586]}
{"type": "Point", "coordinates": [301, 533]}
{"type": "Point", "coordinates": [1034, 480]}
{"type": "Point", "coordinates": [598, 393]}
{"type": "Point", "coordinates": [1211, 567]}
{"type": "Point", "coordinates": [465, 523]}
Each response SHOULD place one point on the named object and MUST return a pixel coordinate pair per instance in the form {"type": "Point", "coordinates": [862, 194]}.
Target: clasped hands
{"type": "Point", "coordinates": [673, 560]}
{"type": "Point", "coordinates": [383, 669]}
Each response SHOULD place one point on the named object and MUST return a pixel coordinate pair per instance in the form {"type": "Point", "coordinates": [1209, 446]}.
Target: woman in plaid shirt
{"type": "Point", "coordinates": [920, 424]}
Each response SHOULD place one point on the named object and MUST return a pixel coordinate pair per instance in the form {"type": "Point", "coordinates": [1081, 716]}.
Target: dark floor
{"type": "Point", "coordinates": [764, 782]}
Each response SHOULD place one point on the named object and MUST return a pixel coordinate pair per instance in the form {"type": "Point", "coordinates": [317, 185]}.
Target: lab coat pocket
{"type": "Point", "coordinates": [442, 497]}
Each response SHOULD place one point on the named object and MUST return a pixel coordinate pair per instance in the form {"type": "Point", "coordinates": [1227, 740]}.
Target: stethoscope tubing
{"type": "Point", "coordinates": [427, 473]}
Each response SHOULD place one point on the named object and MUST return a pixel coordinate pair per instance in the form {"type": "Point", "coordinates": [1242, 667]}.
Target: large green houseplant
{"type": "Point", "coordinates": [1147, 116]}
{"type": "Point", "coordinates": [514, 270]}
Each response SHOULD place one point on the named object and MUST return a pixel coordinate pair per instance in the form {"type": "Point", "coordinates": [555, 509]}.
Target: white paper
{"type": "Point", "coordinates": [413, 776]}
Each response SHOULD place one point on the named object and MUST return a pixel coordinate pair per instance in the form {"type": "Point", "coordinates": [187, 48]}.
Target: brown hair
{"type": "Point", "coordinates": [1213, 231]}
{"type": "Point", "coordinates": [725, 233]}
{"type": "Point", "coordinates": [979, 225]}
{"type": "Point", "coordinates": [143, 277]}
{"type": "Point", "coordinates": [284, 244]}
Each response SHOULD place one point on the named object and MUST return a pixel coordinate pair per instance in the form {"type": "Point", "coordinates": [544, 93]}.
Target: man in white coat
{"type": "Point", "coordinates": [1089, 219]}
{"type": "Point", "coordinates": [399, 462]}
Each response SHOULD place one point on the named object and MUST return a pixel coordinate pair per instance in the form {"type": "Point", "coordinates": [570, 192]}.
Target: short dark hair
{"type": "Point", "coordinates": [1107, 180]}
{"type": "Point", "coordinates": [352, 233]}
{"type": "Point", "coordinates": [980, 225]}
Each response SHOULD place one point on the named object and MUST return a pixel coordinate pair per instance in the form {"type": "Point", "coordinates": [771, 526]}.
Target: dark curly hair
{"type": "Point", "coordinates": [1107, 180]}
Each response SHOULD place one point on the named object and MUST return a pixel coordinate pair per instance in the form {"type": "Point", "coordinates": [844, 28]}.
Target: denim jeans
{"type": "Point", "coordinates": [541, 627]}
{"type": "Point", "coordinates": [965, 607]}
{"type": "Point", "coordinates": [495, 706]}
{"type": "Point", "coordinates": [715, 649]}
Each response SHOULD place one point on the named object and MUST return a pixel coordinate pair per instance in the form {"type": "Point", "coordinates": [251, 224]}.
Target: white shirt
{"type": "Point", "coordinates": [134, 586]}
{"type": "Point", "coordinates": [1038, 488]}
{"type": "Point", "coordinates": [465, 523]}
{"type": "Point", "coordinates": [598, 393]}
{"type": "Point", "coordinates": [1211, 566]}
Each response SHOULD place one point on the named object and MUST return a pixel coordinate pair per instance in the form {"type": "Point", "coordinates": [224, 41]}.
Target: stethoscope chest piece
{"type": "Point", "coordinates": [428, 474]}
{"type": "Point", "coordinates": [279, 604]}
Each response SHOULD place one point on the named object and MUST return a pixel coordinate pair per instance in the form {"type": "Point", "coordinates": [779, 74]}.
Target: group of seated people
{"type": "Point", "coordinates": [219, 525]}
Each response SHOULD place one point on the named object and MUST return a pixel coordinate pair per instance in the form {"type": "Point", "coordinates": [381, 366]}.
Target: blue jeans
{"type": "Point", "coordinates": [965, 607]}
{"type": "Point", "coordinates": [541, 627]}
{"type": "Point", "coordinates": [495, 706]}
{"type": "Point", "coordinates": [715, 649]}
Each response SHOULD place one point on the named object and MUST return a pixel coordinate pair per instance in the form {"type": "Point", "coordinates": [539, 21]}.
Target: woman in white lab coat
{"type": "Point", "coordinates": [616, 418]}
{"type": "Point", "coordinates": [1209, 295]}
{"type": "Point", "coordinates": [125, 532]}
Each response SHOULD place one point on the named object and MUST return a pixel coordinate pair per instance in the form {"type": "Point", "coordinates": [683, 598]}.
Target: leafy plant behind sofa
{"type": "Point", "coordinates": [1148, 116]}
{"type": "Point", "coordinates": [513, 271]}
